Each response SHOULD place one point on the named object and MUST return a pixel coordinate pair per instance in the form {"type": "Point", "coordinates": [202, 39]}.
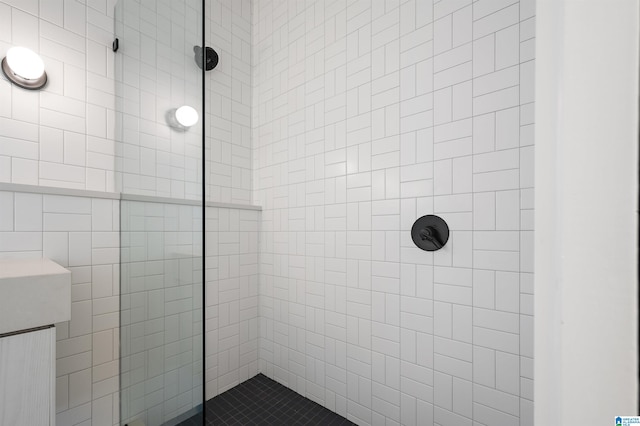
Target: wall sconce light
{"type": "Point", "coordinates": [24, 68]}
{"type": "Point", "coordinates": [182, 118]}
{"type": "Point", "coordinates": [187, 116]}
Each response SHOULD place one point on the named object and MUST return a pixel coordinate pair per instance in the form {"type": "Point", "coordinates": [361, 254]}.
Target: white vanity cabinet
{"type": "Point", "coordinates": [27, 378]}
{"type": "Point", "coordinates": [34, 295]}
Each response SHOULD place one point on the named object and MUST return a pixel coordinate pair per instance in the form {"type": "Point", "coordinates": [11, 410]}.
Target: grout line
{"type": "Point", "coordinates": [519, 223]}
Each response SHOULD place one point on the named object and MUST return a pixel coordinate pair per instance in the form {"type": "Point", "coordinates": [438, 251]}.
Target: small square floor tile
{"type": "Point", "coordinates": [261, 401]}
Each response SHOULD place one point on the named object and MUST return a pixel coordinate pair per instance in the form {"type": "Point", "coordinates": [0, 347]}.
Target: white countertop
{"type": "Point", "coordinates": [33, 293]}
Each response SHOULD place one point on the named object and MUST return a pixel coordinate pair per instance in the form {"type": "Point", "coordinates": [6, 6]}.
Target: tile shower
{"type": "Point", "coordinates": [345, 122]}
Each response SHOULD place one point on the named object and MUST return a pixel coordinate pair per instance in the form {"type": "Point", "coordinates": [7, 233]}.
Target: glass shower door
{"type": "Point", "coordinates": [161, 312]}
{"type": "Point", "coordinates": [159, 174]}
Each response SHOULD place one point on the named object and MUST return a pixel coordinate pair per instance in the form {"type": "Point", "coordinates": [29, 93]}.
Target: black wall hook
{"type": "Point", "coordinates": [210, 57]}
{"type": "Point", "coordinates": [430, 233]}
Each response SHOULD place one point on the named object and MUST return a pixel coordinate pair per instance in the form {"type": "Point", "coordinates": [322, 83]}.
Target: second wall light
{"type": "Point", "coordinates": [182, 118]}
{"type": "Point", "coordinates": [187, 116]}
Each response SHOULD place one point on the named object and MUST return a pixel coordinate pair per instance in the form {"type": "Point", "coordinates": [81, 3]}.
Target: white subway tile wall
{"type": "Point", "coordinates": [367, 115]}
{"type": "Point", "coordinates": [228, 101]}
{"type": "Point", "coordinates": [61, 136]}
{"type": "Point", "coordinates": [232, 298]}
{"type": "Point", "coordinates": [232, 235]}
{"type": "Point", "coordinates": [81, 234]}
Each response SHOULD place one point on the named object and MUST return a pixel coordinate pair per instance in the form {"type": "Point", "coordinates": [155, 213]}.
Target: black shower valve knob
{"type": "Point", "coordinates": [430, 233]}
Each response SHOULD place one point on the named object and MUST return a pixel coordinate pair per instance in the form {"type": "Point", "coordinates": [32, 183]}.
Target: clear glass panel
{"type": "Point", "coordinates": [156, 74]}
{"type": "Point", "coordinates": [159, 172]}
{"type": "Point", "coordinates": [161, 343]}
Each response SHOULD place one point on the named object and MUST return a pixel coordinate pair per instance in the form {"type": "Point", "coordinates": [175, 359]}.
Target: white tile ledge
{"type": "Point", "coordinates": [165, 200]}
{"type": "Point", "coordinates": [233, 206]}
{"type": "Point", "coordinates": [50, 190]}
{"type": "Point", "coordinates": [162, 200]}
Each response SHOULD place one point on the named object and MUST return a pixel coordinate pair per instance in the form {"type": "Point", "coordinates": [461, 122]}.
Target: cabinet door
{"type": "Point", "coordinates": [27, 381]}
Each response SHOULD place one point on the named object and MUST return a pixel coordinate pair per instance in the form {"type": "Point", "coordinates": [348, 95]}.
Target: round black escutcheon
{"type": "Point", "coordinates": [430, 232]}
{"type": "Point", "coordinates": [209, 57]}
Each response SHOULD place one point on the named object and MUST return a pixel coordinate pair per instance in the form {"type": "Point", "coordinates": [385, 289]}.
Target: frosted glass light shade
{"type": "Point", "coordinates": [25, 63]}
{"type": "Point", "coordinates": [187, 116]}
{"type": "Point", "coordinates": [24, 67]}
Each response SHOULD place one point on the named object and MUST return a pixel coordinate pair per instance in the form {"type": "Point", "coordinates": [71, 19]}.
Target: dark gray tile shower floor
{"type": "Point", "coordinates": [262, 401]}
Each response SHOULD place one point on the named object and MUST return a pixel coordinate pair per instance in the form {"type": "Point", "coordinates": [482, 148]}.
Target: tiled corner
{"type": "Point", "coordinates": [232, 298]}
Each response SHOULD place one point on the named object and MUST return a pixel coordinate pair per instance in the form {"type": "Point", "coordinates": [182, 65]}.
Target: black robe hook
{"type": "Point", "coordinates": [210, 57]}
